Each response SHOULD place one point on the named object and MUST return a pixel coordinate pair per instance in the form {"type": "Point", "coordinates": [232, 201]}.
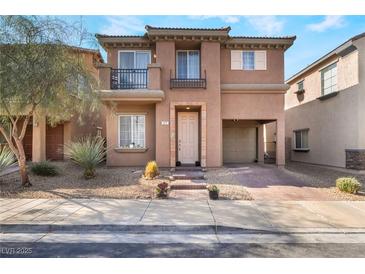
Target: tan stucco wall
{"type": "Point", "coordinates": [118, 158]}
{"type": "Point", "coordinates": [274, 74]}
{"type": "Point", "coordinates": [348, 75]}
{"type": "Point", "coordinates": [165, 52]}
{"type": "Point", "coordinates": [215, 61]}
{"type": "Point", "coordinates": [335, 124]}
{"type": "Point", "coordinates": [258, 107]}
{"type": "Point", "coordinates": [333, 127]}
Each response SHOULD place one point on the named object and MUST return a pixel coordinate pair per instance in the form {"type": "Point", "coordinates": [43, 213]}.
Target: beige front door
{"type": "Point", "coordinates": [188, 132]}
{"type": "Point", "coordinates": [239, 145]}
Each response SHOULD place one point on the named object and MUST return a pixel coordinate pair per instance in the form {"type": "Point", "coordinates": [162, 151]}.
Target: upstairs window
{"type": "Point", "coordinates": [301, 139]}
{"type": "Point", "coordinates": [188, 64]}
{"type": "Point", "coordinates": [300, 85]}
{"type": "Point", "coordinates": [248, 59]}
{"type": "Point", "coordinates": [329, 79]}
{"type": "Point", "coordinates": [138, 59]}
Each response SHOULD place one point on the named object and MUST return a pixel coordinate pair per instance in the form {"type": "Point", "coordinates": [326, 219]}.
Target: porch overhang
{"type": "Point", "coordinates": [132, 95]}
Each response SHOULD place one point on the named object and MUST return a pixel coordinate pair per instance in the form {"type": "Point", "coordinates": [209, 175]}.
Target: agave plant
{"type": "Point", "coordinates": [87, 152]}
{"type": "Point", "coordinates": [6, 157]}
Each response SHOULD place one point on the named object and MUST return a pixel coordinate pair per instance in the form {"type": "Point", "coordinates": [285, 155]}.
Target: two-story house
{"type": "Point", "coordinates": [45, 142]}
{"type": "Point", "coordinates": [184, 96]}
{"type": "Point", "coordinates": [325, 108]}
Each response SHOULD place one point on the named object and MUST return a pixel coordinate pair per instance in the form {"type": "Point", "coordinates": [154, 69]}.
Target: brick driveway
{"type": "Point", "coordinates": [295, 182]}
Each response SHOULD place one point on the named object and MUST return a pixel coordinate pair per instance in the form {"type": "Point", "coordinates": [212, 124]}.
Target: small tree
{"type": "Point", "coordinates": [40, 74]}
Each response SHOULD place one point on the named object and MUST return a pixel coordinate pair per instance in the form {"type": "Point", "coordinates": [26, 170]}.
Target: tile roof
{"type": "Point", "coordinates": [263, 37]}
{"type": "Point", "coordinates": [148, 27]}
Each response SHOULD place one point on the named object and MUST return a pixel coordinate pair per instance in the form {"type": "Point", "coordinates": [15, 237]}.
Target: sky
{"type": "Point", "coordinates": [316, 35]}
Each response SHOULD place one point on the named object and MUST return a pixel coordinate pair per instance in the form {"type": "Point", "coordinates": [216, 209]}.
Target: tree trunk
{"type": "Point", "coordinates": [24, 173]}
{"type": "Point", "coordinates": [22, 162]}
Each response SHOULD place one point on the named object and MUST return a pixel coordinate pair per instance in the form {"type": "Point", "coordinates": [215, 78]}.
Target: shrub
{"type": "Point", "coordinates": [213, 192]}
{"type": "Point", "coordinates": [7, 157]}
{"type": "Point", "coordinates": [213, 188]}
{"type": "Point", "coordinates": [44, 168]}
{"type": "Point", "coordinates": [151, 170]}
{"type": "Point", "coordinates": [87, 152]}
{"type": "Point", "coordinates": [348, 184]}
{"type": "Point", "coordinates": [162, 190]}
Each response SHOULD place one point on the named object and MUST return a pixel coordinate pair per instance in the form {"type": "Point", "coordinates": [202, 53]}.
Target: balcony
{"type": "Point", "coordinates": [188, 82]}
{"type": "Point", "coordinates": [128, 79]}
{"type": "Point", "coordinates": [131, 85]}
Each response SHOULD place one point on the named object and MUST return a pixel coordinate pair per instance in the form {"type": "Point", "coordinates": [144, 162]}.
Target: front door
{"type": "Point", "coordinates": [188, 132]}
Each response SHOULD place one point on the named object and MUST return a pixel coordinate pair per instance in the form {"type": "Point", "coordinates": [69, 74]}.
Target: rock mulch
{"type": "Point", "coordinates": [114, 183]}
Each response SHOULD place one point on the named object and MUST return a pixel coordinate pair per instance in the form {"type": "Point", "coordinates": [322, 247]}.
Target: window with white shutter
{"type": "Point", "coordinates": [260, 59]}
{"type": "Point", "coordinates": [236, 59]}
{"type": "Point", "coordinates": [248, 60]}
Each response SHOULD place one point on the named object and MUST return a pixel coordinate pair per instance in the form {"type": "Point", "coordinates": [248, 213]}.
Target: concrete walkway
{"type": "Point", "coordinates": [178, 228]}
{"type": "Point", "coordinates": [240, 214]}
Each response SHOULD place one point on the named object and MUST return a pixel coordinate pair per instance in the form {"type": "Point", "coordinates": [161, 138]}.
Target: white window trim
{"type": "Point", "coordinates": [295, 139]}
{"type": "Point", "coordinates": [134, 58]}
{"type": "Point", "coordinates": [177, 63]}
{"type": "Point", "coordinates": [299, 82]}
{"type": "Point", "coordinates": [144, 133]}
{"type": "Point", "coordinates": [321, 71]}
{"type": "Point", "coordinates": [254, 61]}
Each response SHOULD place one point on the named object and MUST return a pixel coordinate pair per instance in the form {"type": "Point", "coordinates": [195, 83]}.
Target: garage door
{"type": "Point", "coordinates": [239, 145]}
{"type": "Point", "coordinates": [54, 142]}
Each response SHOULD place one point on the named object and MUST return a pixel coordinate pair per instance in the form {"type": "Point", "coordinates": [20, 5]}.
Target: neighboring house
{"type": "Point", "coordinates": [325, 109]}
{"type": "Point", "coordinates": [44, 142]}
{"type": "Point", "coordinates": [192, 96]}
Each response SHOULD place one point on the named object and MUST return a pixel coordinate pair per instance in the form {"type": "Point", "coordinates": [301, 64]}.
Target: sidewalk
{"type": "Point", "coordinates": [178, 221]}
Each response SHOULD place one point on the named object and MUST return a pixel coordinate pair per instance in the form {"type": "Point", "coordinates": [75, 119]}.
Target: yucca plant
{"type": "Point", "coordinates": [7, 157]}
{"type": "Point", "coordinates": [87, 152]}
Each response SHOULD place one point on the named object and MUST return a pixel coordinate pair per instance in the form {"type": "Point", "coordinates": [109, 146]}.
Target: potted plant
{"type": "Point", "coordinates": [162, 190]}
{"type": "Point", "coordinates": [213, 192]}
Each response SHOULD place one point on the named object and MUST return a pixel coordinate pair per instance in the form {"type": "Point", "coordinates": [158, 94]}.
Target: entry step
{"type": "Point", "coordinates": [187, 175]}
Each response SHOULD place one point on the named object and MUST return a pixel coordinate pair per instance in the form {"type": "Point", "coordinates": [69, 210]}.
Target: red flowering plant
{"type": "Point", "coordinates": [162, 190]}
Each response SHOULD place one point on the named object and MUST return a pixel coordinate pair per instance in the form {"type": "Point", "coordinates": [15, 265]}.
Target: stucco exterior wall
{"type": "Point", "coordinates": [116, 157]}
{"type": "Point", "coordinates": [335, 124]}
{"type": "Point", "coordinates": [252, 106]}
{"type": "Point", "coordinates": [258, 106]}
{"type": "Point", "coordinates": [274, 74]}
{"type": "Point", "coordinates": [165, 52]}
{"type": "Point", "coordinates": [347, 76]}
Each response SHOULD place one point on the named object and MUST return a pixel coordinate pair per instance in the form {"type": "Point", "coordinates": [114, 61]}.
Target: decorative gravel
{"type": "Point", "coordinates": [118, 183]}
{"type": "Point", "coordinates": [325, 178]}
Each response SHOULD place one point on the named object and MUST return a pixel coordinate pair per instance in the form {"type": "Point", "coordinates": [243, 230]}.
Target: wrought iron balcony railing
{"type": "Point", "coordinates": [128, 78]}
{"type": "Point", "coordinates": [188, 82]}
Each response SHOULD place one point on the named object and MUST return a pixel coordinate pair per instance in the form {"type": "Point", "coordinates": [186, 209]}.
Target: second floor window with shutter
{"type": "Point", "coordinates": [188, 64]}
{"type": "Point", "coordinates": [248, 60]}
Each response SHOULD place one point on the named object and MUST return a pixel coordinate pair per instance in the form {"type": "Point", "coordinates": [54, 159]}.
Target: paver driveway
{"type": "Point", "coordinates": [267, 182]}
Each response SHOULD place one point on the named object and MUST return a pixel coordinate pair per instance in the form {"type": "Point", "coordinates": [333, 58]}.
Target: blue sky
{"type": "Point", "coordinates": [316, 35]}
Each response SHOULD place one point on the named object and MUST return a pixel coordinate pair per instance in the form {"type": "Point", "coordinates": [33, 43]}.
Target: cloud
{"type": "Point", "coordinates": [122, 25]}
{"type": "Point", "coordinates": [266, 24]}
{"type": "Point", "coordinates": [225, 18]}
{"type": "Point", "coordinates": [329, 22]}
